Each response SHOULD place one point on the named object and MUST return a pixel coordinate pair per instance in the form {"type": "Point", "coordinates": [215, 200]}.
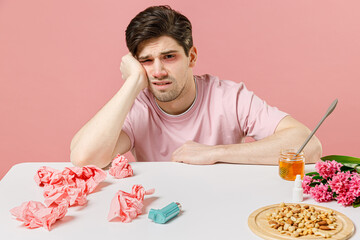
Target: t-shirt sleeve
{"type": "Point", "coordinates": [257, 119]}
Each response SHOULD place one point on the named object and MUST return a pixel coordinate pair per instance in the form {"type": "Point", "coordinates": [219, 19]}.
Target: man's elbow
{"type": "Point", "coordinates": [81, 159]}
{"type": "Point", "coordinates": [78, 160]}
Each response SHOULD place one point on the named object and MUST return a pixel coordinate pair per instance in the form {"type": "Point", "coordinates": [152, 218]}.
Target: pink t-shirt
{"type": "Point", "coordinates": [224, 112]}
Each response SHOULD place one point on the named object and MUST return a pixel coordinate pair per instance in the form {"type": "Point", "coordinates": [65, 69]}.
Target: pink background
{"type": "Point", "coordinates": [59, 63]}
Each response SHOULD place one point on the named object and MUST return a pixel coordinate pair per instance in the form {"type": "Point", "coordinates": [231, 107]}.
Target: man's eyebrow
{"type": "Point", "coordinates": [168, 52]}
{"type": "Point", "coordinates": [162, 53]}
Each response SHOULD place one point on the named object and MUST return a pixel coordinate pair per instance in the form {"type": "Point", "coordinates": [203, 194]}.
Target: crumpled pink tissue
{"type": "Point", "coordinates": [62, 189]}
{"type": "Point", "coordinates": [72, 184]}
{"type": "Point", "coordinates": [120, 167]}
{"type": "Point", "coordinates": [35, 214]}
{"type": "Point", "coordinates": [128, 206]}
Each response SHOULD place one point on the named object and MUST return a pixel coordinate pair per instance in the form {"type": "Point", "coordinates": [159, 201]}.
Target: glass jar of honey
{"type": "Point", "coordinates": [290, 166]}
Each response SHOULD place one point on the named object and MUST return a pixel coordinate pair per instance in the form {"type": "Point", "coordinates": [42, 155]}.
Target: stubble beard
{"type": "Point", "coordinates": [163, 96]}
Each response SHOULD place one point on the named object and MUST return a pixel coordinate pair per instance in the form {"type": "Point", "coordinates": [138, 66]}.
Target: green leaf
{"type": "Point", "coordinates": [351, 165]}
{"type": "Point", "coordinates": [317, 177]}
{"type": "Point", "coordinates": [312, 173]}
{"type": "Point", "coordinates": [313, 184]}
{"type": "Point", "coordinates": [357, 168]}
{"type": "Point", "coordinates": [356, 203]}
{"type": "Point", "coordinates": [342, 159]}
{"type": "Point", "coordinates": [346, 169]}
{"type": "Point", "coordinates": [324, 181]}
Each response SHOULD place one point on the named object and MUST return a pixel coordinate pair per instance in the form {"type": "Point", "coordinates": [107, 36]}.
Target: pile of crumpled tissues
{"type": "Point", "coordinates": [70, 187]}
{"type": "Point", "coordinates": [62, 189]}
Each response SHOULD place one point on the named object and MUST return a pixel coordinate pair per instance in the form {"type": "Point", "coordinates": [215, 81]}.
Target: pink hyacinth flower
{"type": "Point", "coordinates": [347, 186]}
{"type": "Point", "coordinates": [340, 182]}
{"type": "Point", "coordinates": [345, 199]}
{"type": "Point", "coordinates": [305, 184]}
{"type": "Point", "coordinates": [320, 193]}
{"type": "Point", "coordinates": [355, 185]}
{"type": "Point", "coordinates": [328, 169]}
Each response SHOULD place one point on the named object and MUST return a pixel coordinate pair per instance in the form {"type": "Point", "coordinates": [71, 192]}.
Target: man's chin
{"type": "Point", "coordinates": [163, 97]}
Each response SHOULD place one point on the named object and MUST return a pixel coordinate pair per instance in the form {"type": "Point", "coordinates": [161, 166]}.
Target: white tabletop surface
{"type": "Point", "coordinates": [216, 200]}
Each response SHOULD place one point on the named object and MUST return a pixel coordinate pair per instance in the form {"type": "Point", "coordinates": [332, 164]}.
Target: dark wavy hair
{"type": "Point", "coordinates": [157, 21]}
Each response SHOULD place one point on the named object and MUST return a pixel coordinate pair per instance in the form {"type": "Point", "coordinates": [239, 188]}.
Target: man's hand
{"type": "Point", "coordinates": [194, 153]}
{"type": "Point", "coordinates": [100, 139]}
{"type": "Point", "coordinates": [130, 66]}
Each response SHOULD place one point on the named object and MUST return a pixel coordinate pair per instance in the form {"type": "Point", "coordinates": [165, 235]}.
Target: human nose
{"type": "Point", "coordinates": [159, 71]}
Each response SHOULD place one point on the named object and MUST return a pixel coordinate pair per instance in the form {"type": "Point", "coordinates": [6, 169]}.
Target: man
{"type": "Point", "coordinates": [165, 113]}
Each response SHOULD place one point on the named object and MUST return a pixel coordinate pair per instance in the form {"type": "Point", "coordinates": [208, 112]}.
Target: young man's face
{"type": "Point", "coordinates": [167, 67]}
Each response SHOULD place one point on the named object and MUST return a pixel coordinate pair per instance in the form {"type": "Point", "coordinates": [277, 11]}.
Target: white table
{"type": "Point", "coordinates": [216, 200]}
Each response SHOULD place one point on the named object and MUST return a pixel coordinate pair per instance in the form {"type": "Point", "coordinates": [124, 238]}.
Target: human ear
{"type": "Point", "coordinates": [192, 56]}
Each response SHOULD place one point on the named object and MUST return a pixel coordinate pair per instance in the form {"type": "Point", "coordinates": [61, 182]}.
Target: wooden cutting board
{"type": "Point", "coordinates": [258, 223]}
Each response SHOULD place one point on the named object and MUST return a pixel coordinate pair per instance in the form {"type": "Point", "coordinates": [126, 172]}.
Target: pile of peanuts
{"type": "Point", "coordinates": [296, 220]}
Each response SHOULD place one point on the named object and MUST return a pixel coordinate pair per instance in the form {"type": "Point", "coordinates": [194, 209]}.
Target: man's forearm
{"type": "Point", "coordinates": [96, 140]}
{"type": "Point", "coordinates": [267, 150]}
{"type": "Point", "coordinates": [289, 134]}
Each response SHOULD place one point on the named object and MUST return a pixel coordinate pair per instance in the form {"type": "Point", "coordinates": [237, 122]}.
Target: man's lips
{"type": "Point", "coordinates": [161, 85]}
